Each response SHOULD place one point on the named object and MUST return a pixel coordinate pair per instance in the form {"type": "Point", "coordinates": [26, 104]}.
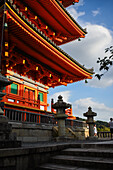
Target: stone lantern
{"type": "Point", "coordinates": [5, 128]}
{"type": "Point", "coordinates": [60, 107]}
{"type": "Point", "coordinates": [90, 121]}
{"type": "Point", "coordinates": [7, 138]}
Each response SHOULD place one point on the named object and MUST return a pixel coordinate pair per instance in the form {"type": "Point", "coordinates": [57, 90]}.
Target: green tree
{"type": "Point", "coordinates": [102, 126]}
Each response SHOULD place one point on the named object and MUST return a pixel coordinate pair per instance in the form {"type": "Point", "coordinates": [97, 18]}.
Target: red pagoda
{"type": "Point", "coordinates": [31, 58]}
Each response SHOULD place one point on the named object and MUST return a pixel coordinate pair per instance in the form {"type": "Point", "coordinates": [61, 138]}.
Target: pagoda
{"type": "Point", "coordinates": [31, 32]}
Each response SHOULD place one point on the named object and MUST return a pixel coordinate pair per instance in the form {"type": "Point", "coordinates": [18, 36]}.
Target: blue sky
{"type": "Point", "coordinates": [96, 16]}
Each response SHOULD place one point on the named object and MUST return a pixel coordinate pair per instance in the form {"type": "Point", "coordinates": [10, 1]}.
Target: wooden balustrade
{"type": "Point", "coordinates": [28, 117]}
{"type": "Point", "coordinates": [23, 116]}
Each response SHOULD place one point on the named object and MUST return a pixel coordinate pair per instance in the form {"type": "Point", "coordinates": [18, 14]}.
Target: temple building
{"type": "Point", "coordinates": [31, 56]}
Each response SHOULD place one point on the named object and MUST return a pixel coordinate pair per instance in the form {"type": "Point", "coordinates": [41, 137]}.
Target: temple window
{"type": "Point", "coordinates": [41, 96]}
{"type": "Point", "coordinates": [14, 88]}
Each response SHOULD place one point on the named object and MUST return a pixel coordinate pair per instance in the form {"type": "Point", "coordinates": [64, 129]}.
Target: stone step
{"type": "Point", "coordinates": [83, 161]}
{"type": "Point", "coordinates": [98, 145]}
{"type": "Point", "coordinates": [50, 166]}
{"type": "Point", "coordinates": [83, 156]}
{"type": "Point", "coordinates": [105, 153]}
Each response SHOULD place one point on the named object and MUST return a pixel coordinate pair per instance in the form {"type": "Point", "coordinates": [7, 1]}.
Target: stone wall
{"type": "Point", "coordinates": [28, 158]}
{"type": "Point", "coordinates": [32, 132]}
{"type": "Point", "coordinates": [27, 132]}
{"type": "Point", "coordinates": [81, 133]}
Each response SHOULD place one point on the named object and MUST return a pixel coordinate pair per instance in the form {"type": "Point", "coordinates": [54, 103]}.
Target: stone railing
{"type": "Point", "coordinates": [106, 134]}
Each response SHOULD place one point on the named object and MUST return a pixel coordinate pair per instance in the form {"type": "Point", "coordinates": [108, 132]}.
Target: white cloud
{"type": "Point", "coordinates": [90, 48]}
{"type": "Point", "coordinates": [64, 94]}
{"type": "Point", "coordinates": [87, 51]}
{"type": "Point", "coordinates": [81, 106]}
{"type": "Point", "coordinates": [75, 14]}
{"type": "Point", "coordinates": [96, 12]}
{"type": "Point", "coordinates": [81, 3]}
{"type": "Point", "coordinates": [105, 81]}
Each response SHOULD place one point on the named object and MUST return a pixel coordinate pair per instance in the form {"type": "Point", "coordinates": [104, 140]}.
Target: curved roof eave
{"type": "Point", "coordinates": [59, 10]}
{"type": "Point", "coordinates": [85, 32]}
{"type": "Point", "coordinates": [67, 3]}
{"type": "Point", "coordinates": [53, 44]}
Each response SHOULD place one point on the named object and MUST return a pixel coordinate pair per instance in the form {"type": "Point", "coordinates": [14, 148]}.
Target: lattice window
{"type": "Point", "coordinates": [14, 88]}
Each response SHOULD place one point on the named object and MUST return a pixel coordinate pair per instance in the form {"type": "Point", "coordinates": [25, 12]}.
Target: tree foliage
{"type": "Point", "coordinates": [106, 62]}
{"type": "Point", "coordinates": [102, 126]}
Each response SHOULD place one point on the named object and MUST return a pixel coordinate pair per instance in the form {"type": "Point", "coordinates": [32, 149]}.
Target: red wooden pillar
{"type": "Point", "coordinates": [6, 43]}
{"type": "Point", "coordinates": [24, 117]}
{"type": "Point", "coordinates": [45, 101]}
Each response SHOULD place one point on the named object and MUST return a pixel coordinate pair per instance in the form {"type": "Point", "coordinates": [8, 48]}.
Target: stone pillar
{"type": "Point", "coordinates": [60, 107]}
{"type": "Point", "coordinates": [7, 138]}
{"type": "Point", "coordinates": [5, 128]}
{"type": "Point", "coordinates": [90, 121]}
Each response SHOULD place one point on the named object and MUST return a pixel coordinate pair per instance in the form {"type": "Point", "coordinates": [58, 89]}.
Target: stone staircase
{"type": "Point", "coordinates": [82, 157]}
